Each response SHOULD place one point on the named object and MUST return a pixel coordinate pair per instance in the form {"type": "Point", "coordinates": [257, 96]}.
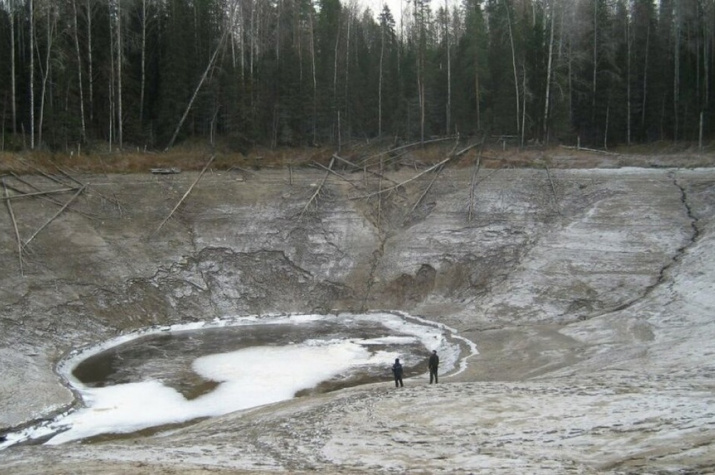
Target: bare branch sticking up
{"type": "Point", "coordinates": [320, 187]}
{"type": "Point", "coordinates": [439, 171]}
{"type": "Point", "coordinates": [336, 174]}
{"type": "Point", "coordinates": [186, 194]}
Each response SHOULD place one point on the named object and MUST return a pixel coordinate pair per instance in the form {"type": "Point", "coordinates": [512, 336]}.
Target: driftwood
{"type": "Point", "coordinates": [187, 193]}
{"type": "Point", "coordinates": [320, 187]}
{"type": "Point", "coordinates": [14, 224]}
{"type": "Point", "coordinates": [79, 192]}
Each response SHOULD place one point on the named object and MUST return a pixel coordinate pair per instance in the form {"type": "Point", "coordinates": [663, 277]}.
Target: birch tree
{"type": "Point", "coordinates": [78, 56]}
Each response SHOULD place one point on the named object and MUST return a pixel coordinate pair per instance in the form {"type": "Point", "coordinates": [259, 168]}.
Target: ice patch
{"type": "Point", "coordinates": [247, 378]}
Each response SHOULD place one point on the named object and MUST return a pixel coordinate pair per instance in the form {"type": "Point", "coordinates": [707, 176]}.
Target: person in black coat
{"type": "Point", "coordinates": [433, 365]}
{"type": "Point", "coordinates": [397, 372]}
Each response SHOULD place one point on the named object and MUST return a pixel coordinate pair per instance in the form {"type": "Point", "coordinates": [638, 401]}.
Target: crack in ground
{"type": "Point", "coordinates": [679, 253]}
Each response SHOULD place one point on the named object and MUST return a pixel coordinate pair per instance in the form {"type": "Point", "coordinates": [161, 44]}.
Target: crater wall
{"type": "Point", "coordinates": [506, 248]}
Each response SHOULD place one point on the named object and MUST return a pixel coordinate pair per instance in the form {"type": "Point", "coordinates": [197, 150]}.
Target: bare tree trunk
{"type": "Point", "coordinates": [111, 84]}
{"type": "Point", "coordinates": [513, 62]}
{"type": "Point", "coordinates": [706, 60]}
{"type": "Point", "coordinates": [32, 75]}
{"type": "Point", "coordinates": [676, 72]}
{"type": "Point", "coordinates": [51, 20]}
{"type": "Point", "coordinates": [13, 87]}
{"type": "Point", "coordinates": [347, 74]}
{"type": "Point", "coordinates": [449, 69]}
{"type": "Point", "coordinates": [628, 82]}
{"type": "Point", "coordinates": [142, 86]}
{"type": "Point", "coordinates": [212, 61]}
{"type": "Point", "coordinates": [477, 96]}
{"type": "Point", "coordinates": [595, 61]}
{"type": "Point", "coordinates": [379, 84]}
{"type": "Point", "coordinates": [548, 76]}
{"type": "Point", "coordinates": [605, 132]}
{"type": "Point", "coordinates": [315, 81]}
{"type": "Point", "coordinates": [90, 61]}
{"type": "Point", "coordinates": [336, 109]}
{"type": "Point", "coordinates": [523, 109]}
{"type": "Point", "coordinates": [645, 77]}
{"type": "Point", "coordinates": [120, 60]}
{"type": "Point", "coordinates": [83, 133]}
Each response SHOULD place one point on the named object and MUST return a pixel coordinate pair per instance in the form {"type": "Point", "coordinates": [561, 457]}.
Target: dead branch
{"type": "Point", "coordinates": [553, 189]}
{"type": "Point", "coordinates": [39, 193]}
{"type": "Point", "coordinates": [347, 162]}
{"type": "Point", "coordinates": [364, 169]}
{"type": "Point", "coordinates": [439, 171]}
{"type": "Point", "coordinates": [41, 172]}
{"type": "Point", "coordinates": [14, 224]}
{"type": "Point", "coordinates": [115, 201]}
{"type": "Point", "coordinates": [594, 150]}
{"type": "Point", "coordinates": [79, 192]}
{"type": "Point", "coordinates": [66, 174]}
{"type": "Point", "coordinates": [385, 190]}
{"type": "Point", "coordinates": [468, 148]}
{"type": "Point", "coordinates": [317, 191]}
{"type": "Point", "coordinates": [44, 196]}
{"type": "Point", "coordinates": [186, 194]}
{"type": "Point", "coordinates": [336, 174]}
{"type": "Point", "coordinates": [401, 147]}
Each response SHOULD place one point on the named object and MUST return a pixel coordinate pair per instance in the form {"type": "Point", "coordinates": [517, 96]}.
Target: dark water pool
{"type": "Point", "coordinates": [168, 357]}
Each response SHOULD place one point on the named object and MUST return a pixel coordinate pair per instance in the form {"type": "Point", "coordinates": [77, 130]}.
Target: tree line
{"type": "Point", "coordinates": [152, 73]}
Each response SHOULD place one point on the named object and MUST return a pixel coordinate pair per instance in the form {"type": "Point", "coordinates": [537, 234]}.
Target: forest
{"type": "Point", "coordinates": [288, 73]}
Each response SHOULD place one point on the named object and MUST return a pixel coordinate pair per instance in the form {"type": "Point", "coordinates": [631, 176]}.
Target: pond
{"type": "Point", "coordinates": [161, 377]}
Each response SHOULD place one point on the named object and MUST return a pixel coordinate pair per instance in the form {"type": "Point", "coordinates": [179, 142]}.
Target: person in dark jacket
{"type": "Point", "coordinates": [433, 365]}
{"type": "Point", "coordinates": [397, 372]}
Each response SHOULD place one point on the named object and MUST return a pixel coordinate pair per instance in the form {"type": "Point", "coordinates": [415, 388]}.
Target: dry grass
{"type": "Point", "coordinates": [194, 157]}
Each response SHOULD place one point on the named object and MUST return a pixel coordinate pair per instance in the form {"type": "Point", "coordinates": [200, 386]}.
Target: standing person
{"type": "Point", "coordinates": [433, 365]}
{"type": "Point", "coordinates": [397, 372]}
